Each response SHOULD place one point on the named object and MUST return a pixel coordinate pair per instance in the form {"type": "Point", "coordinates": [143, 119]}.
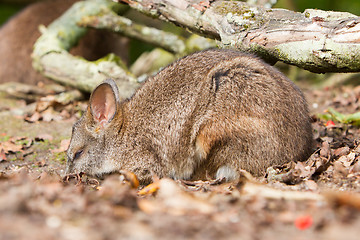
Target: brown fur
{"type": "Point", "coordinates": [212, 110]}
{"type": "Point", "coordinates": [19, 34]}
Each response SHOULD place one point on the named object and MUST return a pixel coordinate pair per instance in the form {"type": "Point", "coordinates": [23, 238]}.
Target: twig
{"type": "Point", "coordinates": [254, 189]}
{"type": "Point", "coordinates": [111, 21]}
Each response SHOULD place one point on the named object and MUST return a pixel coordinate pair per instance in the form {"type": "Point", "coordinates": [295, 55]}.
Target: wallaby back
{"type": "Point", "coordinates": [19, 34]}
{"type": "Point", "coordinates": [211, 113]}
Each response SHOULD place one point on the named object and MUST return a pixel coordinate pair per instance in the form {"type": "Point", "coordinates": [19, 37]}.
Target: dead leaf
{"type": "Point", "coordinates": [339, 198]}
{"type": "Point", "coordinates": [150, 189]}
{"type": "Point", "coordinates": [355, 168]}
{"type": "Point", "coordinates": [44, 136]}
{"type": "Point", "coordinates": [65, 114]}
{"type": "Point", "coordinates": [34, 118]}
{"type": "Point", "coordinates": [10, 146]}
{"type": "Point", "coordinates": [44, 103]}
{"type": "Point", "coordinates": [311, 185]}
{"type": "Point", "coordinates": [341, 151]}
{"type": "Point", "coordinates": [40, 163]}
{"type": "Point", "coordinates": [2, 155]}
{"type": "Point", "coordinates": [69, 177]}
{"type": "Point", "coordinates": [321, 164]}
{"type": "Point", "coordinates": [50, 115]}
{"type": "Point", "coordinates": [304, 171]}
{"type": "Point", "coordinates": [64, 144]}
{"type": "Point", "coordinates": [325, 150]}
{"type": "Point", "coordinates": [174, 200]}
{"type": "Point", "coordinates": [131, 178]}
{"type": "Point", "coordinates": [345, 160]}
{"type": "Point", "coordinates": [340, 171]}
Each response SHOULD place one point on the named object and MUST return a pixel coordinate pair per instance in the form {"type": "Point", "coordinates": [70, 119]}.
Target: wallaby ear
{"type": "Point", "coordinates": [104, 102]}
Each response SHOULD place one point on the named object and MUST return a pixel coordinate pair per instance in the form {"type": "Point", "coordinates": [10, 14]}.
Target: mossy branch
{"type": "Point", "coordinates": [109, 20]}
{"type": "Point", "coordinates": [52, 59]}
{"type": "Point", "coordinates": [315, 40]}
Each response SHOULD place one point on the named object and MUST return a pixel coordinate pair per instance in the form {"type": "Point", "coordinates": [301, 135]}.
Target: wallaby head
{"type": "Point", "coordinates": [209, 114]}
{"type": "Point", "coordinates": [94, 134]}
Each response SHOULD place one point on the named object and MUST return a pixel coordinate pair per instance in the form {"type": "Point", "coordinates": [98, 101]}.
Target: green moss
{"type": "Point", "coordinates": [4, 138]}
{"type": "Point", "coordinates": [112, 58]}
{"type": "Point", "coordinates": [59, 157]}
{"type": "Point", "coordinates": [22, 141]}
{"type": "Point", "coordinates": [33, 157]}
{"type": "Point", "coordinates": [235, 8]}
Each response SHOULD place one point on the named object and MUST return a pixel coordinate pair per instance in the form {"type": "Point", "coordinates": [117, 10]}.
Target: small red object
{"type": "Point", "coordinates": [304, 222]}
{"type": "Point", "coordinates": [330, 123]}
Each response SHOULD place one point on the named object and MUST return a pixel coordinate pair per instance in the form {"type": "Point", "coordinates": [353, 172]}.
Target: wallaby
{"type": "Point", "coordinates": [208, 114]}
{"type": "Point", "coordinates": [19, 34]}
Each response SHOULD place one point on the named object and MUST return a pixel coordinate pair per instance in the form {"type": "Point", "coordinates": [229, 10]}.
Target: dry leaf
{"type": "Point", "coordinates": [2, 155]}
{"type": "Point", "coordinates": [340, 170]}
{"type": "Point", "coordinates": [44, 136]}
{"type": "Point", "coordinates": [131, 178]}
{"type": "Point", "coordinates": [325, 150]}
{"type": "Point", "coordinates": [174, 200]}
{"type": "Point", "coordinates": [355, 168]}
{"type": "Point", "coordinates": [339, 198]}
{"type": "Point", "coordinates": [64, 144]}
{"type": "Point", "coordinates": [10, 146]}
{"type": "Point", "coordinates": [311, 185]}
{"type": "Point", "coordinates": [150, 189]}
{"type": "Point", "coordinates": [342, 151]}
{"type": "Point", "coordinates": [34, 118]}
{"type": "Point", "coordinates": [50, 114]}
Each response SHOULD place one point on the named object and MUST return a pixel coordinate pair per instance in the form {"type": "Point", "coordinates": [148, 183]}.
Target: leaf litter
{"type": "Point", "coordinates": [315, 199]}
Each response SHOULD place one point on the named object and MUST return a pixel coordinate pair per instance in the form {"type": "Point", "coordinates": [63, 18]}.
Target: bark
{"type": "Point", "coordinates": [315, 40]}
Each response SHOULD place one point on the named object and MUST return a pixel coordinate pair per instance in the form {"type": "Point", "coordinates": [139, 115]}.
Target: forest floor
{"type": "Point", "coordinates": [316, 199]}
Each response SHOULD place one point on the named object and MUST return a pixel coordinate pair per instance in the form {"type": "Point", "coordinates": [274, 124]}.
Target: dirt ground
{"type": "Point", "coordinates": [316, 199]}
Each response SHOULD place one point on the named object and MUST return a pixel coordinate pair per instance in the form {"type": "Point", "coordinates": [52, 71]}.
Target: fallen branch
{"type": "Point", "coordinates": [315, 40]}
{"type": "Point", "coordinates": [51, 57]}
{"type": "Point", "coordinates": [260, 190]}
{"type": "Point", "coordinates": [29, 92]}
{"type": "Point", "coordinates": [109, 20]}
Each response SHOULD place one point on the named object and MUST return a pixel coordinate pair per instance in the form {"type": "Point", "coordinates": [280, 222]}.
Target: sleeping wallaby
{"type": "Point", "coordinates": [209, 114]}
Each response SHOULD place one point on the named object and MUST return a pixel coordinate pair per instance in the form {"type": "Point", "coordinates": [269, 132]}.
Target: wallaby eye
{"type": "Point", "coordinates": [78, 154]}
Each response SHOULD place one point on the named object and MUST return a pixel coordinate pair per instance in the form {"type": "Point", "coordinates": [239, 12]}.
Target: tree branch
{"type": "Point", "coordinates": [111, 21]}
{"type": "Point", "coordinates": [315, 40]}
{"type": "Point", "coordinates": [51, 57]}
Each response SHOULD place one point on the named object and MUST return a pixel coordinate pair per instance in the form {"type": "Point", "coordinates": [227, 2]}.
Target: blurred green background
{"type": "Point", "coordinates": [352, 6]}
{"type": "Point", "coordinates": [7, 10]}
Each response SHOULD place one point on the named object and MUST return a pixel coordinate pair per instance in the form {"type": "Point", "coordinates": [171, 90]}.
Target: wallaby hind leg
{"type": "Point", "coordinates": [224, 147]}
